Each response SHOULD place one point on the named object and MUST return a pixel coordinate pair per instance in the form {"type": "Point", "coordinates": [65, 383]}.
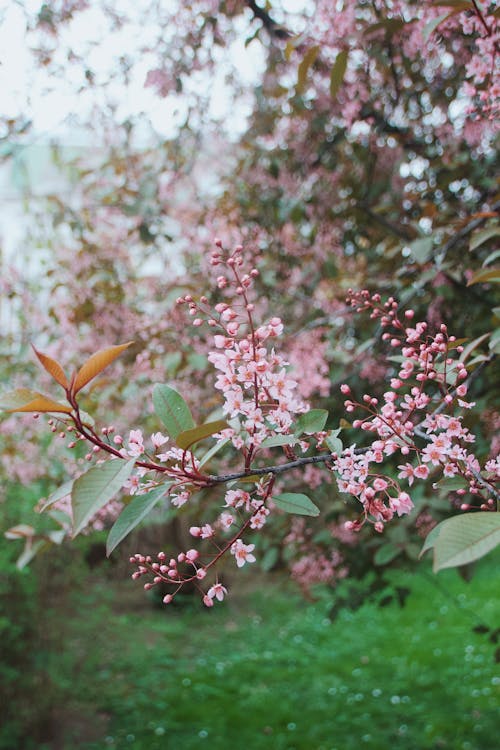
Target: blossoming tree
{"type": "Point", "coordinates": [363, 193]}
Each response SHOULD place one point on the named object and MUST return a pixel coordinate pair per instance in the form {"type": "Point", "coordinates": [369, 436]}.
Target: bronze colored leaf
{"type": "Point", "coordinates": [42, 404]}
{"type": "Point", "coordinates": [52, 367]}
{"type": "Point", "coordinates": [96, 364]}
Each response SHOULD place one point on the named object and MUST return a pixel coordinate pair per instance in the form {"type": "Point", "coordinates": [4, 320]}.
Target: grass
{"type": "Point", "coordinates": [268, 671]}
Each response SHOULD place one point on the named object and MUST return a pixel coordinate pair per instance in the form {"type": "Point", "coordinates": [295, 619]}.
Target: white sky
{"type": "Point", "coordinates": [53, 102]}
{"type": "Point", "coordinates": [56, 107]}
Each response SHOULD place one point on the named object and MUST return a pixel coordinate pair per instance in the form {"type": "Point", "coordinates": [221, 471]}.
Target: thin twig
{"type": "Point", "coordinates": [273, 28]}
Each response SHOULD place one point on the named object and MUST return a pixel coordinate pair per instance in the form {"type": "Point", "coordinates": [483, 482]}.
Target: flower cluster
{"type": "Point", "coordinates": [258, 392]}
{"type": "Point", "coordinates": [410, 420]}
{"type": "Point", "coordinates": [415, 424]}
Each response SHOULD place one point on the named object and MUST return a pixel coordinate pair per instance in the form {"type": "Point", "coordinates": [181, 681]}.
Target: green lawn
{"type": "Point", "coordinates": [268, 671]}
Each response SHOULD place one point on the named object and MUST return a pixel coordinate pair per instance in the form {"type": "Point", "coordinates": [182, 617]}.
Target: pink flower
{"type": "Point", "coordinates": [158, 439]}
{"type": "Point", "coordinates": [237, 498]}
{"type": "Point", "coordinates": [402, 504]}
{"type": "Point", "coordinates": [135, 443]}
{"type": "Point", "coordinates": [422, 472]}
{"type": "Point", "coordinates": [259, 518]}
{"type": "Point", "coordinates": [217, 591]}
{"type": "Point", "coordinates": [242, 552]}
{"type": "Point", "coordinates": [226, 520]}
{"type": "Point", "coordinates": [179, 500]}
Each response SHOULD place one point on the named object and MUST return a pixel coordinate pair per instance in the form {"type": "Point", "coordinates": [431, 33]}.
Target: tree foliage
{"type": "Point", "coordinates": [367, 162]}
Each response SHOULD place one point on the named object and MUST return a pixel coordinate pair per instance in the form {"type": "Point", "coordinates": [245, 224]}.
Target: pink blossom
{"type": "Point", "coordinates": [217, 591]}
{"type": "Point", "coordinates": [226, 520]}
{"type": "Point", "coordinates": [242, 552]}
{"type": "Point", "coordinates": [135, 443]}
{"type": "Point", "coordinates": [158, 440]}
{"type": "Point", "coordinates": [402, 504]}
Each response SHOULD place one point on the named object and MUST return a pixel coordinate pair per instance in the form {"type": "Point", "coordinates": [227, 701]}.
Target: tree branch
{"type": "Point", "coordinates": [275, 470]}
{"type": "Point", "coordinates": [273, 28]}
{"type": "Point", "coordinates": [467, 229]}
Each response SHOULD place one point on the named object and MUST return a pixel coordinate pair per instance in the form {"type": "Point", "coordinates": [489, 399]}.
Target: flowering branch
{"type": "Point", "coordinates": [262, 411]}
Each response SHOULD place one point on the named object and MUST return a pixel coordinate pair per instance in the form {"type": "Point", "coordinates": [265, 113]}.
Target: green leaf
{"type": "Point", "coordinates": [173, 411]}
{"type": "Point", "coordinates": [213, 450]}
{"type": "Point", "coordinates": [333, 442]}
{"type": "Point", "coordinates": [270, 559]}
{"type": "Point", "coordinates": [491, 257]}
{"type": "Point", "coordinates": [462, 539]}
{"type": "Point", "coordinates": [295, 502]}
{"type": "Point", "coordinates": [308, 60]}
{"type": "Point", "coordinates": [494, 344]}
{"type": "Point", "coordinates": [132, 515]}
{"type": "Point", "coordinates": [450, 484]}
{"type": "Point", "coordinates": [189, 437]}
{"type": "Point", "coordinates": [30, 551]}
{"type": "Point", "coordinates": [171, 362]}
{"type": "Point", "coordinates": [277, 440]}
{"type": "Point", "coordinates": [58, 494]}
{"type": "Point", "coordinates": [412, 551]}
{"type": "Point", "coordinates": [431, 539]}
{"type": "Point", "coordinates": [486, 276]}
{"type": "Point", "coordinates": [310, 422]}
{"type": "Point", "coordinates": [473, 345]}
{"type": "Point", "coordinates": [386, 553]}
{"type": "Point", "coordinates": [479, 238]}
{"type": "Point", "coordinates": [97, 487]}
{"type": "Point", "coordinates": [421, 249]}
{"type": "Point", "coordinates": [338, 72]}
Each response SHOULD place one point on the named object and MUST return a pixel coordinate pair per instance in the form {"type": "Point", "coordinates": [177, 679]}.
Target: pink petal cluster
{"type": "Point", "coordinates": [242, 552]}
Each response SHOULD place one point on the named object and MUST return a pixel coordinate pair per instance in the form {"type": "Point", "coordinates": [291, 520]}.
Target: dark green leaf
{"type": "Point", "coordinates": [213, 450]}
{"type": "Point", "coordinates": [97, 487]}
{"type": "Point", "coordinates": [189, 437]}
{"type": "Point", "coordinates": [173, 411]}
{"type": "Point", "coordinates": [277, 440]}
{"type": "Point", "coordinates": [270, 558]}
{"type": "Point", "coordinates": [333, 442]}
{"type": "Point", "coordinates": [421, 249]}
{"type": "Point", "coordinates": [295, 502]}
{"type": "Point", "coordinates": [386, 553]}
{"type": "Point", "coordinates": [58, 494]}
{"type": "Point", "coordinates": [478, 238]}
{"type": "Point", "coordinates": [450, 484]}
{"type": "Point", "coordinates": [310, 422]}
{"type": "Point", "coordinates": [132, 515]}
